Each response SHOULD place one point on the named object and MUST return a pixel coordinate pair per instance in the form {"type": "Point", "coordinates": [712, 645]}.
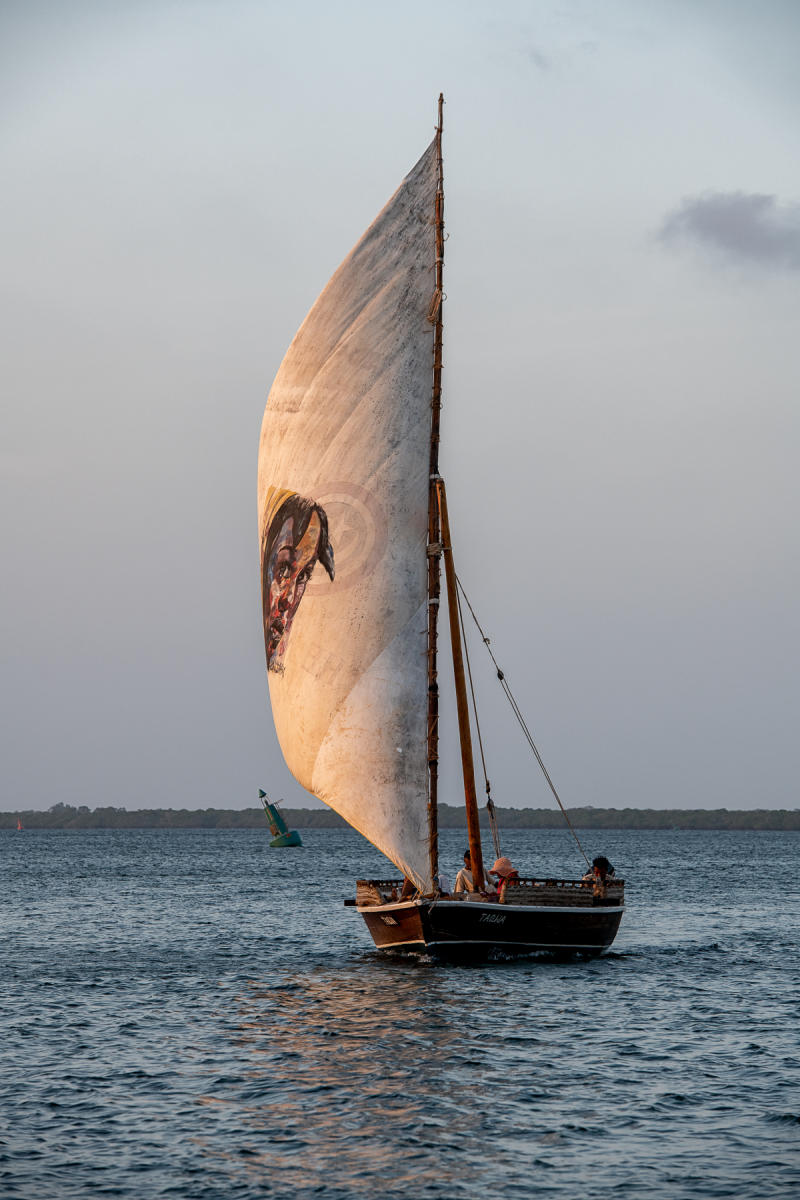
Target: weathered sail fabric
{"type": "Point", "coordinates": [342, 501]}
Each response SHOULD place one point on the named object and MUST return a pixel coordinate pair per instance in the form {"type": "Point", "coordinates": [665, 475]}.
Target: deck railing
{"type": "Point", "coordinates": [582, 893]}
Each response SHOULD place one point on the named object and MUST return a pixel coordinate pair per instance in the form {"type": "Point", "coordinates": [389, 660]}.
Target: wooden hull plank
{"type": "Point", "coordinates": [442, 926]}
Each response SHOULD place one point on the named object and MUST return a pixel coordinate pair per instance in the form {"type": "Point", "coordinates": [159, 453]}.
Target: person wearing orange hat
{"type": "Point", "coordinates": [506, 873]}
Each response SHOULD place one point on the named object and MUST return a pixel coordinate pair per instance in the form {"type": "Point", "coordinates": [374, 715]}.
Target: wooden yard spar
{"type": "Point", "coordinates": [439, 541]}
{"type": "Point", "coordinates": [434, 532]}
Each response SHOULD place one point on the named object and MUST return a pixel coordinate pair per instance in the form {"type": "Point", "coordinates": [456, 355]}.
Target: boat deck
{"type": "Point", "coordinates": [527, 892]}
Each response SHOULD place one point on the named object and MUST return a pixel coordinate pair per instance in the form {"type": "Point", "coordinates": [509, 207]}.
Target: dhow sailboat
{"type": "Point", "coordinates": [354, 531]}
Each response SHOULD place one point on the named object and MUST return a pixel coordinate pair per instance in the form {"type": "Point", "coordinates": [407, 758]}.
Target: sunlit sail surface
{"type": "Point", "coordinates": [343, 503]}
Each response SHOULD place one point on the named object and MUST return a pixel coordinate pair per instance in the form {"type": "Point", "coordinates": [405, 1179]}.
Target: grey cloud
{"type": "Point", "coordinates": [537, 59]}
{"type": "Point", "coordinates": [742, 226]}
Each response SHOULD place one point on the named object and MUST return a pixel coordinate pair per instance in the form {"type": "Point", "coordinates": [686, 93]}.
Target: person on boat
{"type": "Point", "coordinates": [505, 873]}
{"type": "Point", "coordinates": [295, 540]}
{"type": "Point", "coordinates": [600, 869]}
{"type": "Point", "coordinates": [601, 872]}
{"type": "Point", "coordinates": [464, 881]}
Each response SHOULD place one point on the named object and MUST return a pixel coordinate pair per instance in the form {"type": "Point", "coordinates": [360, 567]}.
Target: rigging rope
{"type": "Point", "coordinates": [489, 801]}
{"type": "Point", "coordinates": [517, 713]}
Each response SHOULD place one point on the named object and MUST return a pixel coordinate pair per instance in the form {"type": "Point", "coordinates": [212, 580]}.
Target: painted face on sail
{"type": "Point", "coordinates": [296, 539]}
{"type": "Point", "coordinates": [288, 572]}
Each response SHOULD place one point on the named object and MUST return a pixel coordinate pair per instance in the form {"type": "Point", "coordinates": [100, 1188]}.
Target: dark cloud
{"type": "Point", "coordinates": [537, 59]}
{"type": "Point", "coordinates": [742, 226]}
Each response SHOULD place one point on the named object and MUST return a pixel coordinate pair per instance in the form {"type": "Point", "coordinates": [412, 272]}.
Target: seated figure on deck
{"type": "Point", "coordinates": [464, 881]}
{"type": "Point", "coordinates": [599, 875]}
{"type": "Point", "coordinates": [600, 869]}
{"type": "Point", "coordinates": [505, 873]}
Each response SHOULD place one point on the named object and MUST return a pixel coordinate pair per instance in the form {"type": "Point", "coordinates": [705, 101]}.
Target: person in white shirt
{"type": "Point", "coordinates": [464, 882]}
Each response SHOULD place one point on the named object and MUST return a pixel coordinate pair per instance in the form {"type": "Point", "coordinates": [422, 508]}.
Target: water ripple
{"type": "Point", "coordinates": [186, 1015]}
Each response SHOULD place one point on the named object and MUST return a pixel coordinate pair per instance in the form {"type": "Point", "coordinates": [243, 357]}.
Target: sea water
{"type": "Point", "coordinates": [193, 1014]}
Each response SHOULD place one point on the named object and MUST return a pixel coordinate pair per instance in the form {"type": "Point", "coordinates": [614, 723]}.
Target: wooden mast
{"type": "Point", "coordinates": [462, 704]}
{"type": "Point", "coordinates": [434, 532]}
{"type": "Point", "coordinates": [438, 541]}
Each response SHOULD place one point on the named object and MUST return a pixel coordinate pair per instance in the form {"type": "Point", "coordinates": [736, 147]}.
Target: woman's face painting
{"type": "Point", "coordinates": [288, 571]}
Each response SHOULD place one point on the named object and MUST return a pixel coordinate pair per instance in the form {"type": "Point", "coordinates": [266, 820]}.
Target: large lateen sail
{"type": "Point", "coordinates": [343, 502]}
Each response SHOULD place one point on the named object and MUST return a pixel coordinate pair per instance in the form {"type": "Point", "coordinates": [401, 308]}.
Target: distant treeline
{"type": "Point", "coordinates": [64, 816]}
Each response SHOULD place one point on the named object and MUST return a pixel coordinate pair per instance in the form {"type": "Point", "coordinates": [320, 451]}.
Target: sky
{"type": "Point", "coordinates": [620, 431]}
